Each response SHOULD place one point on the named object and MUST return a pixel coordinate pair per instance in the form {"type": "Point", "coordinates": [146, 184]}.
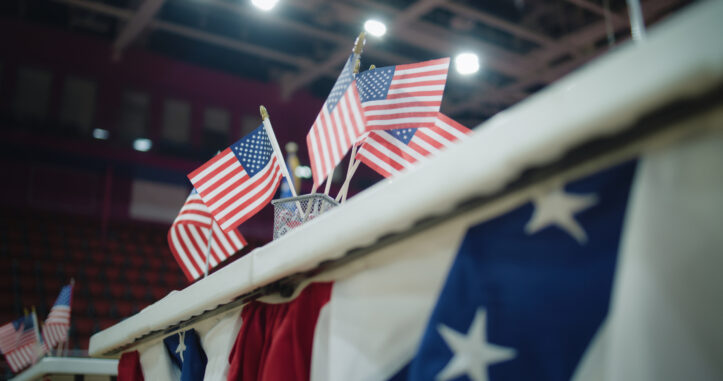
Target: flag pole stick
{"type": "Point", "coordinates": [349, 172]}
{"type": "Point", "coordinates": [341, 197]}
{"type": "Point", "coordinates": [208, 247]}
{"type": "Point", "coordinates": [327, 188]}
{"type": "Point", "coordinates": [277, 152]}
{"type": "Point", "coordinates": [39, 352]}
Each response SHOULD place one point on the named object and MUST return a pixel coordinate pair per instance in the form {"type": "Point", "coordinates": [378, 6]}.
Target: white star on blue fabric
{"type": "Point", "coordinates": [181, 344]}
{"type": "Point", "coordinates": [559, 208]}
{"type": "Point", "coordinates": [471, 352]}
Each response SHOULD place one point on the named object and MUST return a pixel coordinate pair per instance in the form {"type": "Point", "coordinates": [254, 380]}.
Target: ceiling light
{"type": "Point", "coordinates": [264, 5]}
{"type": "Point", "coordinates": [466, 63]}
{"type": "Point", "coordinates": [101, 134]}
{"type": "Point", "coordinates": [142, 144]}
{"type": "Point", "coordinates": [375, 28]}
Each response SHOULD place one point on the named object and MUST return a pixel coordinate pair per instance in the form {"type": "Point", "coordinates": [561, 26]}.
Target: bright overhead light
{"type": "Point", "coordinates": [303, 172]}
{"type": "Point", "coordinates": [264, 5]}
{"type": "Point", "coordinates": [101, 134]}
{"type": "Point", "coordinates": [466, 63]}
{"type": "Point", "coordinates": [142, 144]}
{"type": "Point", "coordinates": [375, 27]}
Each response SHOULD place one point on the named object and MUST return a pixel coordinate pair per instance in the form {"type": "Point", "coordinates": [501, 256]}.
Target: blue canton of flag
{"type": "Point", "coordinates": [528, 290]}
{"type": "Point", "coordinates": [341, 84]}
{"type": "Point", "coordinates": [374, 84]}
{"type": "Point", "coordinates": [404, 135]}
{"type": "Point", "coordinates": [187, 354]}
{"type": "Point", "coordinates": [253, 151]}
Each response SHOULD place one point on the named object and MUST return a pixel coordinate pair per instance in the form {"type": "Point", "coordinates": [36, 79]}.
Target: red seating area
{"type": "Point", "coordinates": [115, 277]}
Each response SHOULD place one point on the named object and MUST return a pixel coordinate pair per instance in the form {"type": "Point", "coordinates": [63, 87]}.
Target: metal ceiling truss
{"type": "Point", "coordinates": [553, 58]}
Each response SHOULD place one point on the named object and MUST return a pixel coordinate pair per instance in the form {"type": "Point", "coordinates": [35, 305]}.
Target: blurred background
{"type": "Point", "coordinates": [106, 105]}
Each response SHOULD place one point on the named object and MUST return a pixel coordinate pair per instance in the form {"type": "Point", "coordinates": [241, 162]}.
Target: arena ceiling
{"type": "Point", "coordinates": [302, 44]}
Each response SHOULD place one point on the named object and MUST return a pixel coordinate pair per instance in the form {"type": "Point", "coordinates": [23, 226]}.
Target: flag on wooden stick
{"type": "Point", "coordinates": [339, 123]}
{"type": "Point", "coordinates": [189, 240]}
{"type": "Point", "coordinates": [392, 151]}
{"type": "Point", "coordinates": [55, 329]}
{"type": "Point", "coordinates": [403, 96]}
{"type": "Point", "coordinates": [240, 180]}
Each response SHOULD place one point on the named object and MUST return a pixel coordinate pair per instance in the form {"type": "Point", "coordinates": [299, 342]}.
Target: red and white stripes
{"type": "Point", "coordinates": [388, 155]}
{"type": "Point", "coordinates": [332, 134]}
{"type": "Point", "coordinates": [230, 194]}
{"type": "Point", "coordinates": [413, 99]}
{"type": "Point", "coordinates": [189, 234]}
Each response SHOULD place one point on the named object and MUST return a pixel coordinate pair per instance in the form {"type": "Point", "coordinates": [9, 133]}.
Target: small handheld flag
{"type": "Point", "coordinates": [339, 123]}
{"type": "Point", "coordinates": [392, 151]}
{"type": "Point", "coordinates": [240, 180]}
{"type": "Point", "coordinates": [55, 329]}
{"type": "Point", "coordinates": [402, 96]}
{"type": "Point", "coordinates": [18, 342]}
{"type": "Point", "coordinates": [189, 241]}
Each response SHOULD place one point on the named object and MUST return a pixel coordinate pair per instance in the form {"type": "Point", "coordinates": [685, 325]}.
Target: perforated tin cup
{"type": "Point", "coordinates": [292, 212]}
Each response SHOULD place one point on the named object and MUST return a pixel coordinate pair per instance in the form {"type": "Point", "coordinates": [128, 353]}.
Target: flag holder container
{"type": "Point", "coordinates": [287, 215]}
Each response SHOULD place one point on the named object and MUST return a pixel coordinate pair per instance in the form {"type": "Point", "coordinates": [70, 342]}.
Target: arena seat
{"type": "Point", "coordinates": [115, 277]}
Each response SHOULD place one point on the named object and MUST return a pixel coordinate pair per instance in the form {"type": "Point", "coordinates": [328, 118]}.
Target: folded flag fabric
{"type": "Point", "coordinates": [186, 353]}
{"type": "Point", "coordinates": [338, 125]}
{"type": "Point", "coordinates": [240, 180]}
{"type": "Point", "coordinates": [402, 96]}
{"type": "Point", "coordinates": [275, 340]}
{"type": "Point", "coordinates": [129, 367]}
{"type": "Point", "coordinates": [528, 290]}
{"type": "Point", "coordinates": [19, 343]}
{"type": "Point", "coordinates": [390, 152]}
{"type": "Point", "coordinates": [55, 329]}
{"type": "Point", "coordinates": [188, 238]}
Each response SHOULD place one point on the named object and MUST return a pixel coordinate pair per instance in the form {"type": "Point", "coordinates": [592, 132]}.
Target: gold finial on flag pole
{"type": "Point", "coordinates": [359, 44]}
{"type": "Point", "coordinates": [372, 67]}
{"type": "Point", "coordinates": [264, 113]}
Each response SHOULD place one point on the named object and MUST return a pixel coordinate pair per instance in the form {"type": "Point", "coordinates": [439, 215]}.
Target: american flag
{"type": "Point", "coordinates": [392, 151]}
{"type": "Point", "coordinates": [188, 238]}
{"type": "Point", "coordinates": [55, 330]}
{"type": "Point", "coordinates": [402, 96]}
{"type": "Point", "coordinates": [240, 180]}
{"type": "Point", "coordinates": [19, 343]}
{"type": "Point", "coordinates": [338, 125]}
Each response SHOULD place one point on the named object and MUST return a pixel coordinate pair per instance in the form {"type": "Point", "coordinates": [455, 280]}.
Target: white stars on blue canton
{"type": "Point", "coordinates": [253, 151]}
{"type": "Point", "coordinates": [341, 84]}
{"type": "Point", "coordinates": [374, 84]}
{"type": "Point", "coordinates": [403, 134]}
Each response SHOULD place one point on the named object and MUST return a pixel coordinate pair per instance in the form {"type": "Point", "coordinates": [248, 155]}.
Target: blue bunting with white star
{"type": "Point", "coordinates": [528, 290]}
{"type": "Point", "coordinates": [187, 354]}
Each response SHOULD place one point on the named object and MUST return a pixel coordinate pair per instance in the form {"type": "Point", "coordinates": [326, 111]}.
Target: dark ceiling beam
{"type": "Point", "coordinates": [135, 26]}
{"type": "Point", "coordinates": [297, 27]}
{"type": "Point", "coordinates": [335, 61]}
{"type": "Point", "coordinates": [594, 8]}
{"type": "Point", "coordinates": [498, 23]}
{"type": "Point", "coordinates": [576, 41]}
{"type": "Point", "coordinates": [194, 34]}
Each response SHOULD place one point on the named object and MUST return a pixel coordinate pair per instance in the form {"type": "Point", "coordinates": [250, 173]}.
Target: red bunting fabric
{"type": "Point", "coordinates": [275, 340]}
{"type": "Point", "coordinates": [129, 367]}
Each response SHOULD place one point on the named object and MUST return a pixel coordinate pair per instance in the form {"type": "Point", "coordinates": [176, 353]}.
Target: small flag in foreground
{"type": "Point", "coordinates": [55, 330]}
{"type": "Point", "coordinates": [19, 343]}
{"type": "Point", "coordinates": [402, 96]}
{"type": "Point", "coordinates": [240, 180]}
{"type": "Point", "coordinates": [338, 125]}
{"type": "Point", "coordinates": [392, 151]}
{"type": "Point", "coordinates": [188, 238]}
